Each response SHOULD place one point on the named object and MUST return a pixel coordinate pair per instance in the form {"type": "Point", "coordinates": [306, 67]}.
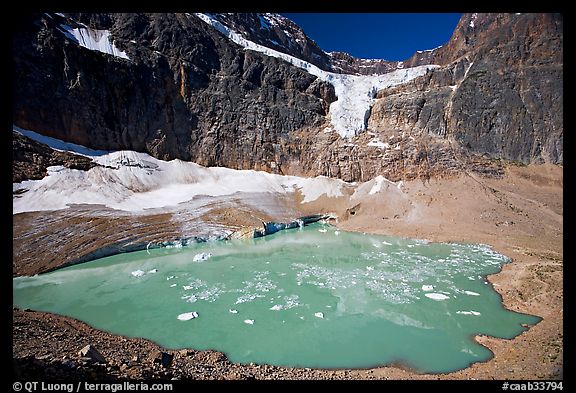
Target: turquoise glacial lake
{"type": "Point", "coordinates": [309, 297]}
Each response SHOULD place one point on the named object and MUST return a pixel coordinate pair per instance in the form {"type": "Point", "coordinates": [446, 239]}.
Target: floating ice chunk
{"type": "Point", "coordinates": [471, 278]}
{"type": "Point", "coordinates": [276, 307]}
{"type": "Point", "coordinates": [385, 242]}
{"type": "Point", "coordinates": [233, 311]}
{"type": "Point", "coordinates": [172, 286]}
{"type": "Point", "coordinates": [203, 256]}
{"type": "Point", "coordinates": [302, 318]}
{"type": "Point", "coordinates": [436, 296]}
{"type": "Point", "coordinates": [322, 230]}
{"type": "Point", "coordinates": [427, 287]}
{"type": "Point", "coordinates": [153, 271]}
{"type": "Point", "coordinates": [249, 321]}
{"type": "Point", "coordinates": [170, 278]}
{"type": "Point", "coordinates": [187, 287]}
{"type": "Point", "coordinates": [471, 312]}
{"type": "Point", "coordinates": [337, 233]}
{"type": "Point", "coordinates": [370, 268]}
{"type": "Point", "coordinates": [188, 315]}
{"type": "Point", "coordinates": [319, 314]}
{"type": "Point", "coordinates": [471, 293]}
{"type": "Point", "coordinates": [138, 273]}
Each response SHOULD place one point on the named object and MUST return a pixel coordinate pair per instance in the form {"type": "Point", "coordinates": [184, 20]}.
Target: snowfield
{"type": "Point", "coordinates": [355, 93]}
{"type": "Point", "coordinates": [98, 40]}
{"type": "Point", "coordinates": [132, 181]}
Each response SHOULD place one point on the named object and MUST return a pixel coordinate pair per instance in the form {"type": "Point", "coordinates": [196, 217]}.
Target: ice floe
{"type": "Point", "coordinates": [468, 312]}
{"type": "Point", "coordinates": [138, 273]}
{"type": "Point", "coordinates": [203, 256]}
{"type": "Point", "coordinates": [436, 296]}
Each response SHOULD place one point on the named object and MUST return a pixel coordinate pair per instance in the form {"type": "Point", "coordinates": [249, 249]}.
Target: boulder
{"type": "Point", "coordinates": [162, 358]}
{"type": "Point", "coordinates": [91, 353]}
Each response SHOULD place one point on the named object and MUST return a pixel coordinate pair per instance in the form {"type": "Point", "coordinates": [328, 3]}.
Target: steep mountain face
{"type": "Point", "coordinates": [277, 32]}
{"type": "Point", "coordinates": [175, 87]}
{"type": "Point", "coordinates": [281, 34]}
{"type": "Point", "coordinates": [184, 92]}
{"type": "Point", "coordinates": [501, 96]}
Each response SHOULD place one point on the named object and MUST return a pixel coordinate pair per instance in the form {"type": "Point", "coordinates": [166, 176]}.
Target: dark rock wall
{"type": "Point", "coordinates": [187, 92]}
{"type": "Point", "coordinates": [30, 159]}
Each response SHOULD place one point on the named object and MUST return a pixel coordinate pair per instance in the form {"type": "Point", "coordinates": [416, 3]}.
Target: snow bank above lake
{"type": "Point", "coordinates": [133, 181]}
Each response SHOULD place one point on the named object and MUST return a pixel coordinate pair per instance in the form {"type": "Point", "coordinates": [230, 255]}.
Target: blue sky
{"type": "Point", "coordinates": [389, 36]}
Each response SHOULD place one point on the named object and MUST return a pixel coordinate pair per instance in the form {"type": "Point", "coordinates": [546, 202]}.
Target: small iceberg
{"type": "Point", "coordinates": [322, 230]}
{"type": "Point", "coordinates": [188, 316]}
{"type": "Point", "coordinates": [427, 287]}
{"type": "Point", "coordinates": [153, 271]}
{"type": "Point", "coordinates": [436, 296]}
{"type": "Point", "coordinates": [172, 286]}
{"type": "Point", "coordinates": [249, 321]}
{"type": "Point", "coordinates": [170, 278]}
{"type": "Point", "coordinates": [319, 315]}
{"type": "Point", "coordinates": [203, 256]}
{"type": "Point", "coordinates": [138, 273]}
{"type": "Point", "coordinates": [471, 312]}
{"type": "Point", "coordinates": [233, 311]}
{"type": "Point", "coordinates": [276, 307]}
{"type": "Point", "coordinates": [471, 293]}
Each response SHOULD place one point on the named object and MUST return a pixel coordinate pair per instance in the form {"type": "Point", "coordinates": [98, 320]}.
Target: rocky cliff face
{"type": "Point", "coordinates": [186, 91]}
{"type": "Point", "coordinates": [501, 96]}
{"type": "Point", "coordinates": [30, 159]}
{"type": "Point", "coordinates": [279, 33]}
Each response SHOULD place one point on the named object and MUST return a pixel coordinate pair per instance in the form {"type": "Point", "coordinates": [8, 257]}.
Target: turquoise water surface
{"type": "Point", "coordinates": [309, 297]}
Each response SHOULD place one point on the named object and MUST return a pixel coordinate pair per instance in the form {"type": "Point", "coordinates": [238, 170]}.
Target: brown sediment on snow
{"type": "Point", "coordinates": [520, 215]}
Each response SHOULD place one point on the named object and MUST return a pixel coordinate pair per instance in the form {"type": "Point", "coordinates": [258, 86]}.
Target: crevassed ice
{"type": "Point", "coordinates": [356, 93]}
